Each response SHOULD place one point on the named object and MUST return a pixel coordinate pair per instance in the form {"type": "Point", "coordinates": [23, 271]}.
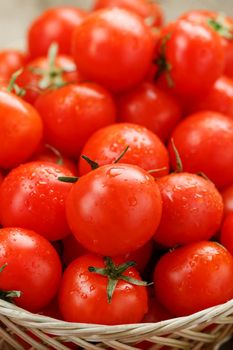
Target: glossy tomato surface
{"type": "Point", "coordinates": [32, 267]}
{"type": "Point", "coordinates": [194, 277]}
{"type": "Point", "coordinates": [114, 209]}
{"type": "Point", "coordinates": [80, 289]}
{"type": "Point", "coordinates": [119, 51]}
{"type": "Point", "coordinates": [32, 197]}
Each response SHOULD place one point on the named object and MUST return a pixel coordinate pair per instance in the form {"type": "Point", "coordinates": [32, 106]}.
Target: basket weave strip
{"type": "Point", "coordinates": [187, 333]}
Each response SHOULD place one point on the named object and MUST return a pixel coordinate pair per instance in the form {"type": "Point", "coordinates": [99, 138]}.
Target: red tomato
{"type": "Point", "coordinates": [54, 25]}
{"type": "Point", "coordinates": [226, 237]}
{"type": "Point", "coordinates": [119, 51]}
{"type": "Point", "coordinates": [140, 256]}
{"type": "Point", "coordinates": [47, 153]}
{"type": "Point", "coordinates": [114, 209]}
{"type": "Point", "coordinates": [33, 198]}
{"type": "Point", "coordinates": [20, 130]}
{"type": "Point", "coordinates": [145, 148]}
{"type": "Point", "coordinates": [221, 24]}
{"type": "Point", "coordinates": [149, 106]}
{"type": "Point", "coordinates": [190, 50]}
{"type": "Point", "coordinates": [73, 113]}
{"type": "Point", "coordinates": [33, 267]}
{"type": "Point", "coordinates": [1, 177]}
{"type": "Point", "coordinates": [218, 98]}
{"type": "Point", "coordinates": [83, 295]}
{"type": "Point", "coordinates": [205, 143]}
{"type": "Point", "coordinates": [10, 62]}
{"type": "Point", "coordinates": [34, 83]}
{"type": "Point", "coordinates": [192, 209]}
{"type": "Point", "coordinates": [194, 277]}
{"type": "Point", "coordinates": [227, 196]}
{"type": "Point", "coordinates": [150, 11]}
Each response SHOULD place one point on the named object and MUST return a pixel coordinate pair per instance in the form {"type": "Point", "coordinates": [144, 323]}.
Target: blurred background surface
{"type": "Point", "coordinates": [16, 15]}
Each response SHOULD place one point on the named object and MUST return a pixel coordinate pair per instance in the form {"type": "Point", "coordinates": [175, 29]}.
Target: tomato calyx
{"type": "Point", "coordinates": [8, 295]}
{"type": "Point", "coordinates": [52, 76]}
{"type": "Point", "coordinates": [68, 179]}
{"type": "Point", "coordinates": [163, 65]}
{"type": "Point", "coordinates": [179, 165]}
{"type": "Point", "coordinates": [60, 160]}
{"type": "Point", "coordinates": [13, 87]}
{"type": "Point", "coordinates": [115, 273]}
{"type": "Point", "coordinates": [94, 165]}
{"type": "Point", "coordinates": [221, 26]}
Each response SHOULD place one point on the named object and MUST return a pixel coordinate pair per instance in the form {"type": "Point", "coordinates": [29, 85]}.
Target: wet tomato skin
{"type": "Point", "coordinates": [80, 289]}
{"type": "Point", "coordinates": [114, 209]}
{"type": "Point", "coordinates": [192, 209]}
{"type": "Point", "coordinates": [33, 267]}
{"type": "Point", "coordinates": [203, 268]}
{"type": "Point", "coordinates": [32, 197]}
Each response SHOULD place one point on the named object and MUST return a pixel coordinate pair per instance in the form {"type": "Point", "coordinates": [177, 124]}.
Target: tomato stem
{"type": "Point", "coordinates": [91, 162]}
{"type": "Point", "coordinates": [179, 165]}
{"type": "Point", "coordinates": [69, 179]}
{"type": "Point", "coordinates": [8, 295]}
{"type": "Point", "coordinates": [12, 86]}
{"type": "Point", "coordinates": [152, 171]}
{"type": "Point", "coordinates": [221, 26]}
{"type": "Point", "coordinates": [121, 155]}
{"type": "Point", "coordinates": [163, 64]}
{"type": "Point", "coordinates": [115, 273]}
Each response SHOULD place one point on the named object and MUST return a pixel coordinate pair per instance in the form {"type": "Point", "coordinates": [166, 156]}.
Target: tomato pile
{"type": "Point", "coordinates": [116, 164]}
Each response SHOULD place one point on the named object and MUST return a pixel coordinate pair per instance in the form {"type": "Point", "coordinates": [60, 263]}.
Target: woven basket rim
{"type": "Point", "coordinates": [206, 315]}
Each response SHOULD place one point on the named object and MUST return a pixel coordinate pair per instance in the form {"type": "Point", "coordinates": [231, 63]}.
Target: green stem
{"type": "Point", "coordinates": [69, 179]}
{"type": "Point", "coordinates": [179, 165]}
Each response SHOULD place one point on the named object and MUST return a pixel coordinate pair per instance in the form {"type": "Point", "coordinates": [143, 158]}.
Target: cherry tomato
{"type": "Point", "coordinates": [149, 106]}
{"type": "Point", "coordinates": [194, 277]}
{"type": "Point", "coordinates": [20, 130]}
{"type": "Point", "coordinates": [226, 237]}
{"type": "Point", "coordinates": [80, 289]}
{"type": "Point", "coordinates": [32, 267]}
{"type": "Point", "coordinates": [145, 148]}
{"type": "Point", "coordinates": [47, 153]}
{"type": "Point", "coordinates": [150, 11]}
{"type": "Point", "coordinates": [190, 50]}
{"type": "Point", "coordinates": [119, 51]}
{"type": "Point", "coordinates": [192, 209]}
{"type": "Point", "coordinates": [227, 196]}
{"type": "Point", "coordinates": [114, 209]}
{"type": "Point", "coordinates": [73, 113]}
{"type": "Point", "coordinates": [205, 143]}
{"type": "Point", "coordinates": [10, 62]}
{"type": "Point", "coordinates": [38, 76]}
{"type": "Point", "coordinates": [218, 98]}
{"type": "Point", "coordinates": [221, 24]}
{"type": "Point", "coordinates": [33, 198]}
{"type": "Point", "coordinates": [54, 25]}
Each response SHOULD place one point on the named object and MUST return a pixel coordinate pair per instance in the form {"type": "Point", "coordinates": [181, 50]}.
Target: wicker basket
{"type": "Point", "coordinates": [191, 332]}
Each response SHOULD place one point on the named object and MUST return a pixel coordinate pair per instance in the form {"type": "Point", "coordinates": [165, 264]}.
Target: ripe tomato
{"type": "Point", "coordinates": [114, 209]}
{"type": "Point", "coordinates": [149, 106]}
{"type": "Point", "coordinates": [145, 148]}
{"type": "Point", "coordinates": [47, 153]}
{"type": "Point", "coordinates": [149, 11]}
{"type": "Point", "coordinates": [194, 277]}
{"type": "Point", "coordinates": [156, 312]}
{"type": "Point", "coordinates": [226, 237]}
{"type": "Point", "coordinates": [227, 196]}
{"type": "Point", "coordinates": [73, 113]}
{"type": "Point", "coordinates": [38, 76]}
{"type": "Point", "coordinates": [218, 98]}
{"type": "Point", "coordinates": [192, 209]}
{"type": "Point", "coordinates": [119, 51]}
{"type": "Point", "coordinates": [33, 198]}
{"type": "Point", "coordinates": [10, 62]}
{"type": "Point", "coordinates": [32, 267]}
{"type": "Point", "coordinates": [205, 143]}
{"type": "Point", "coordinates": [20, 130]}
{"type": "Point", "coordinates": [221, 24]}
{"type": "Point", "coordinates": [81, 289]}
{"type": "Point", "coordinates": [1, 177]}
{"type": "Point", "coordinates": [54, 25]}
{"type": "Point", "coordinates": [190, 50]}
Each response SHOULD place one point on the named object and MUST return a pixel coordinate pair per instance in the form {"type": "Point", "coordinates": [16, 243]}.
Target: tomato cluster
{"type": "Point", "coordinates": [116, 164]}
